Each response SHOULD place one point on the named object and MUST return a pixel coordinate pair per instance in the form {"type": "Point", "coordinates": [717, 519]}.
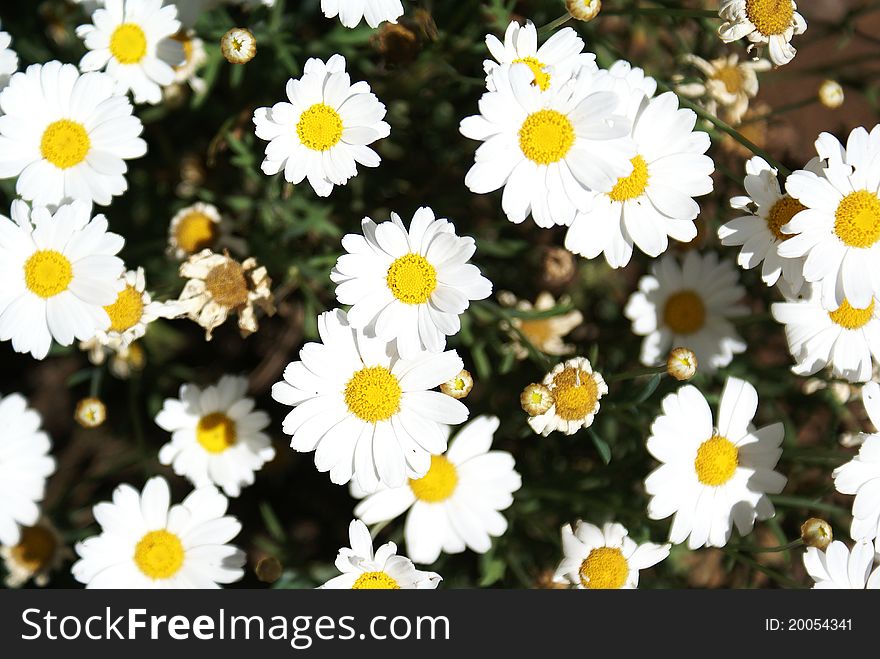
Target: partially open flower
{"type": "Point", "coordinates": [90, 412]}
{"type": "Point", "coordinates": [459, 386]}
{"type": "Point", "coordinates": [219, 285]}
{"type": "Point", "coordinates": [536, 399]}
{"type": "Point", "coordinates": [681, 364]}
{"type": "Point", "coordinates": [238, 45]}
{"type": "Point", "coordinates": [583, 10]}
{"type": "Point", "coordinates": [816, 533]}
{"type": "Point", "coordinates": [40, 550]}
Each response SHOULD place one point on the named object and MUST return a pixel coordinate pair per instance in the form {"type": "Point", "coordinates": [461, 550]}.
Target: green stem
{"type": "Point", "coordinates": [782, 109]}
{"type": "Point", "coordinates": [637, 373]}
{"type": "Point", "coordinates": [773, 574]}
{"type": "Point", "coordinates": [552, 25]}
{"type": "Point", "coordinates": [807, 504]}
{"type": "Point", "coordinates": [678, 12]}
{"type": "Point", "coordinates": [95, 386]}
{"type": "Point", "coordinates": [771, 550]}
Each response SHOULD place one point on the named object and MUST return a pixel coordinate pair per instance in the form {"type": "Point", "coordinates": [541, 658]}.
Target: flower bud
{"type": "Point", "coordinates": [816, 533]}
{"type": "Point", "coordinates": [238, 45]}
{"type": "Point", "coordinates": [536, 399]}
{"type": "Point", "coordinates": [459, 386]}
{"type": "Point", "coordinates": [90, 412]}
{"type": "Point", "coordinates": [268, 569]}
{"type": "Point", "coordinates": [583, 10]}
{"type": "Point", "coordinates": [681, 364]}
{"type": "Point", "coordinates": [831, 94]}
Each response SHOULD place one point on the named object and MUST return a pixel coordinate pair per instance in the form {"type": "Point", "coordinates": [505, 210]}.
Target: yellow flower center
{"type": "Point", "coordinates": [195, 231]}
{"type": "Point", "coordinates": [35, 549]}
{"type": "Point", "coordinates": [216, 432]}
{"type": "Point", "coordinates": [159, 554]}
{"type": "Point", "coordinates": [857, 219]}
{"type": "Point", "coordinates": [770, 16]}
{"type": "Point", "coordinates": [227, 285]}
{"type": "Point", "coordinates": [546, 136]}
{"type": "Point", "coordinates": [716, 461]}
{"type": "Point", "coordinates": [412, 279]}
{"type": "Point", "coordinates": [731, 77]}
{"type": "Point", "coordinates": [438, 484]}
{"type": "Point", "coordinates": [65, 143]}
{"type": "Point", "coordinates": [684, 312]}
{"type": "Point", "coordinates": [47, 273]}
{"type": "Point", "coordinates": [604, 568]}
{"type": "Point", "coordinates": [128, 44]}
{"type": "Point", "coordinates": [781, 214]}
{"type": "Point", "coordinates": [542, 78]}
{"type": "Point", "coordinates": [375, 581]}
{"type": "Point", "coordinates": [850, 318]}
{"type": "Point", "coordinates": [539, 331]}
{"type": "Point", "coordinates": [320, 127]}
{"type": "Point", "coordinates": [373, 394]}
{"type": "Point", "coordinates": [575, 392]}
{"type": "Point", "coordinates": [633, 185]}
{"type": "Point", "coordinates": [127, 311]}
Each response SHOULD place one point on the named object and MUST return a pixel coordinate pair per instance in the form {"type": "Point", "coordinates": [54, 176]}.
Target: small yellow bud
{"type": "Point", "coordinates": [459, 386]}
{"type": "Point", "coordinates": [583, 10]}
{"type": "Point", "coordinates": [536, 399]}
{"type": "Point", "coordinates": [90, 412]}
{"type": "Point", "coordinates": [816, 533]}
{"type": "Point", "coordinates": [238, 45]}
{"type": "Point", "coordinates": [831, 94]}
{"type": "Point", "coordinates": [681, 364]}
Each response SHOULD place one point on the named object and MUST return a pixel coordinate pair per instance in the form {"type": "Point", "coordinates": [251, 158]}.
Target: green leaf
{"type": "Point", "coordinates": [601, 446]}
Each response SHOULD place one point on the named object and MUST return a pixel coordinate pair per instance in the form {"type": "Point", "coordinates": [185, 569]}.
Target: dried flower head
{"type": "Point", "coordinates": [238, 45]}
{"type": "Point", "coordinates": [558, 268]}
{"type": "Point", "coordinates": [219, 285]}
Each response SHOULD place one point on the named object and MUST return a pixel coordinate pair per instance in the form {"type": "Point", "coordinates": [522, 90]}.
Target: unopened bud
{"type": "Point", "coordinates": [459, 386]}
{"type": "Point", "coordinates": [816, 533]}
{"type": "Point", "coordinates": [268, 569]}
{"type": "Point", "coordinates": [536, 399]}
{"type": "Point", "coordinates": [831, 94]}
{"type": "Point", "coordinates": [583, 10]}
{"type": "Point", "coordinates": [238, 45]}
{"type": "Point", "coordinates": [90, 412]}
{"type": "Point", "coordinates": [681, 364]}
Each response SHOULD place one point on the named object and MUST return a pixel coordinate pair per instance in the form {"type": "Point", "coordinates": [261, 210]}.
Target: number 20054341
{"type": "Point", "coordinates": [807, 624]}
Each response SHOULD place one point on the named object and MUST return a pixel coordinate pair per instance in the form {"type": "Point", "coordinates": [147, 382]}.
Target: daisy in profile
{"type": "Point", "coordinates": [713, 475]}
{"type": "Point", "coordinates": [456, 504]}
{"type": "Point", "coordinates": [728, 87]}
{"type": "Point", "coordinates": [200, 226]}
{"type": "Point", "coordinates": [59, 271]}
{"type": "Point", "coordinates": [604, 558]}
{"type": "Point", "coordinates": [767, 208]}
{"type": "Point", "coordinates": [366, 412]}
{"type": "Point", "coordinates": [839, 232]}
{"type": "Point", "coordinates": [838, 568]}
{"type": "Point", "coordinates": [217, 435]}
{"type": "Point", "coordinates": [561, 56]}
{"type": "Point", "coordinates": [846, 339]}
{"type": "Point", "coordinates": [323, 132]}
{"type": "Point", "coordinates": [132, 311]}
{"type": "Point", "coordinates": [861, 475]}
{"type": "Point", "coordinates": [132, 41]}
{"type": "Point", "coordinates": [351, 12]}
{"type": "Point", "coordinates": [770, 23]}
{"type": "Point", "coordinates": [688, 304]}
{"type": "Point", "coordinates": [655, 201]}
{"type": "Point", "coordinates": [549, 150]}
{"type": "Point", "coordinates": [8, 59]}
{"type": "Point", "coordinates": [66, 135]}
{"type": "Point", "coordinates": [362, 569]}
{"type": "Point", "coordinates": [40, 551]}
{"type": "Point", "coordinates": [409, 284]}
{"type": "Point", "coordinates": [195, 57]}
{"type": "Point", "coordinates": [145, 542]}
{"type": "Point", "coordinates": [25, 464]}
{"type": "Point", "coordinates": [574, 389]}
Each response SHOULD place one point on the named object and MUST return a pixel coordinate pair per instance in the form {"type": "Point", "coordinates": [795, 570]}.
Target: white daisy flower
{"type": "Point", "coordinates": [729, 84]}
{"type": "Point", "coordinates": [66, 135]}
{"type": "Point", "coordinates": [561, 56]}
{"type": "Point", "coordinates": [324, 131]}
{"type": "Point", "coordinates": [408, 284]}
{"type": "Point", "coordinates": [769, 23]}
{"type": "Point", "coordinates": [366, 412]}
{"type": "Point", "coordinates": [575, 389]}
{"type": "Point", "coordinates": [59, 271]}
{"type": "Point", "coordinates": [351, 12]}
{"type": "Point", "coordinates": [195, 57]}
{"type": "Point", "coordinates": [713, 476]}
{"type": "Point", "coordinates": [767, 209]}
{"type": "Point", "coordinates": [861, 475]}
{"type": "Point", "coordinates": [132, 311]}
{"type": "Point", "coordinates": [8, 59]}
{"type": "Point", "coordinates": [131, 40]}
{"type": "Point", "coordinates": [456, 504]}
{"type": "Point", "coordinates": [629, 83]}
{"type": "Point", "coordinates": [656, 200]}
{"type": "Point", "coordinates": [383, 570]}
{"type": "Point", "coordinates": [837, 568]}
{"type": "Point", "coordinates": [25, 464]}
{"type": "Point", "coordinates": [145, 542]}
{"type": "Point", "coordinates": [839, 233]}
{"type": "Point", "coordinates": [689, 304]}
{"type": "Point", "coordinates": [605, 557]}
{"type": "Point", "coordinates": [218, 436]}
{"type": "Point", "coordinates": [846, 338]}
{"type": "Point", "coordinates": [548, 150]}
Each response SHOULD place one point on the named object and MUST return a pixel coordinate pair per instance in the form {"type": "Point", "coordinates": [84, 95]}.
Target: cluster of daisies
{"type": "Point", "coordinates": [378, 399]}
